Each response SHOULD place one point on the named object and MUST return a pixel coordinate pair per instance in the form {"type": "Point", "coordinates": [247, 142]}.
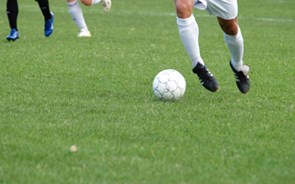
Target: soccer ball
{"type": "Point", "coordinates": [168, 85]}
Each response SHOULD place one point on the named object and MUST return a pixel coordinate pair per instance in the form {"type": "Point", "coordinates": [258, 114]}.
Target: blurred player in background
{"type": "Point", "coordinates": [12, 13]}
{"type": "Point", "coordinates": [226, 12]}
{"type": "Point", "coordinates": [77, 14]}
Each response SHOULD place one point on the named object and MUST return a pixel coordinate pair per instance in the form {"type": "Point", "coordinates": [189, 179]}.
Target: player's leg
{"type": "Point", "coordinates": [48, 16]}
{"type": "Point", "coordinates": [226, 12]}
{"type": "Point", "coordinates": [235, 43]}
{"type": "Point", "coordinates": [78, 17]}
{"type": "Point", "coordinates": [189, 34]}
{"type": "Point", "coordinates": [107, 4]}
{"type": "Point", "coordinates": [12, 13]}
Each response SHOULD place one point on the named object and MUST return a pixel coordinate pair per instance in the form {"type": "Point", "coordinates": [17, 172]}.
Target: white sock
{"type": "Point", "coordinates": [189, 34]}
{"type": "Point", "coordinates": [77, 14]}
{"type": "Point", "coordinates": [95, 1]}
{"type": "Point", "coordinates": [235, 45]}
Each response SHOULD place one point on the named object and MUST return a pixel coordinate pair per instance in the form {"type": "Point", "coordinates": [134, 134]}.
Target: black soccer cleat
{"type": "Point", "coordinates": [242, 78]}
{"type": "Point", "coordinates": [206, 77]}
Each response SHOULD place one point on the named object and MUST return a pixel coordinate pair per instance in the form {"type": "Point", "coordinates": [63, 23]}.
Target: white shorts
{"type": "Point", "coordinates": [226, 9]}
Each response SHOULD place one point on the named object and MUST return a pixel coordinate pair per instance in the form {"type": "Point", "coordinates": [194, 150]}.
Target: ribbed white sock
{"type": "Point", "coordinates": [189, 33]}
{"type": "Point", "coordinates": [77, 14]}
{"type": "Point", "coordinates": [235, 45]}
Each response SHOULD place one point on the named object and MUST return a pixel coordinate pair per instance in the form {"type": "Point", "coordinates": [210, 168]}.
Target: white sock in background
{"type": "Point", "coordinates": [77, 14]}
{"type": "Point", "coordinates": [235, 45]}
{"type": "Point", "coordinates": [95, 1]}
{"type": "Point", "coordinates": [189, 34]}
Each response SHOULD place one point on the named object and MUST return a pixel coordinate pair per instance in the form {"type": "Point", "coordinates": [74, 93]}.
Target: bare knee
{"type": "Point", "coordinates": [87, 2]}
{"type": "Point", "coordinates": [184, 8]}
{"type": "Point", "coordinates": [229, 27]}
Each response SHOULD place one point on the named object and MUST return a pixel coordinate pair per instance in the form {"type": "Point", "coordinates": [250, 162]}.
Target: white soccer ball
{"type": "Point", "coordinates": [169, 84]}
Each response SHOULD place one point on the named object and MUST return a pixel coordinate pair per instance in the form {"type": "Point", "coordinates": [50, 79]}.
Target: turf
{"type": "Point", "coordinates": [97, 94]}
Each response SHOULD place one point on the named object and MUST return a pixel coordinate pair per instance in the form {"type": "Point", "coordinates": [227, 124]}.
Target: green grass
{"type": "Point", "coordinates": [96, 93]}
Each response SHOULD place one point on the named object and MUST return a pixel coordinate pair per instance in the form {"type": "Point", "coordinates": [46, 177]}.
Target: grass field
{"type": "Point", "coordinates": [97, 94]}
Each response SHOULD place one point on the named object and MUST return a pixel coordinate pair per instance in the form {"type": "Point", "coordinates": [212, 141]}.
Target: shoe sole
{"type": "Point", "coordinates": [12, 39]}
